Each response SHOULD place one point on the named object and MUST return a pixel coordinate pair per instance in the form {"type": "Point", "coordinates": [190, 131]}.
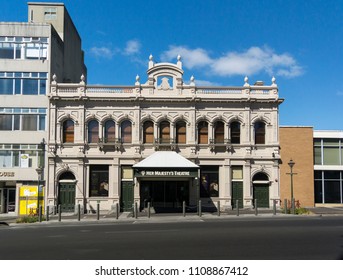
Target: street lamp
{"type": "Point", "coordinates": [291, 164]}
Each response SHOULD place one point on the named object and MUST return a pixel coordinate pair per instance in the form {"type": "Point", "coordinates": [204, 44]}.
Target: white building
{"type": "Point", "coordinates": [163, 141]}
{"type": "Point", "coordinates": [29, 53]}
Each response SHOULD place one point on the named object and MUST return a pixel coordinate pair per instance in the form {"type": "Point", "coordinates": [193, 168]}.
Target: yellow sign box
{"type": "Point", "coordinates": [30, 198]}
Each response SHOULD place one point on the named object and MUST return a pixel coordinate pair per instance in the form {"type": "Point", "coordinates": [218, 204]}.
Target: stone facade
{"type": "Point", "coordinates": [232, 133]}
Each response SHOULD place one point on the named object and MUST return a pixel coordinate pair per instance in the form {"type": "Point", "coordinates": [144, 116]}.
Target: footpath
{"type": "Point", "coordinates": [143, 217]}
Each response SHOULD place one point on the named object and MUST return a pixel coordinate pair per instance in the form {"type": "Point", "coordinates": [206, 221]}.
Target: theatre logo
{"type": "Point", "coordinates": [165, 173]}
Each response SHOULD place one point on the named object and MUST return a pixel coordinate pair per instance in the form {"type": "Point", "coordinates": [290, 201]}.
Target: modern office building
{"type": "Point", "coordinates": [328, 168]}
{"type": "Point", "coordinates": [29, 53]}
{"type": "Point", "coordinates": [163, 141]}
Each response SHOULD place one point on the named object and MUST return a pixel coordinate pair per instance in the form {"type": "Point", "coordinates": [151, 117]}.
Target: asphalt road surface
{"type": "Point", "coordinates": [294, 238]}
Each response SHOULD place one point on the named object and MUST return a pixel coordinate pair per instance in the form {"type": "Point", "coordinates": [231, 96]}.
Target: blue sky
{"type": "Point", "coordinates": [298, 42]}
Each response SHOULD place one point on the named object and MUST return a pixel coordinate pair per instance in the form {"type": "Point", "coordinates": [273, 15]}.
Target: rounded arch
{"type": "Point", "coordinates": [202, 118]}
{"type": "Point", "coordinates": [235, 118]}
{"type": "Point", "coordinates": [92, 117]}
{"type": "Point", "coordinates": [92, 130]}
{"type": "Point", "coordinates": [66, 175]}
{"type": "Point", "coordinates": [148, 131]}
{"type": "Point", "coordinates": [261, 186]}
{"type": "Point", "coordinates": [218, 119]}
{"type": "Point", "coordinates": [65, 117]}
{"type": "Point", "coordinates": [126, 131]}
{"type": "Point", "coordinates": [260, 176]}
{"type": "Point", "coordinates": [67, 169]}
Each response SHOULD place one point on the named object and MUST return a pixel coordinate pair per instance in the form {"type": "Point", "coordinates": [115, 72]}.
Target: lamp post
{"type": "Point", "coordinates": [39, 171]}
{"type": "Point", "coordinates": [291, 165]}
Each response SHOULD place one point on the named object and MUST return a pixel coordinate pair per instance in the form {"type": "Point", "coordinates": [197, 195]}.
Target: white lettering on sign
{"type": "Point", "coordinates": [6, 174]}
{"type": "Point", "coordinates": [165, 173]}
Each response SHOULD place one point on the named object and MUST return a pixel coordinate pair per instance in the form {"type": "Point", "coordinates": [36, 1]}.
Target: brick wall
{"type": "Point", "coordinates": [297, 143]}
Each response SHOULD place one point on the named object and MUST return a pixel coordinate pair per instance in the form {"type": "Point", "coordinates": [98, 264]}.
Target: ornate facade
{"type": "Point", "coordinates": [98, 135]}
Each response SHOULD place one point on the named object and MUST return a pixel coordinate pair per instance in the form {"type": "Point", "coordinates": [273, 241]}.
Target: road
{"type": "Point", "coordinates": [293, 238]}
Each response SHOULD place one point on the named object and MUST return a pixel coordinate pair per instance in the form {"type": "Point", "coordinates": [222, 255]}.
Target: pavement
{"type": "Point", "coordinates": [10, 218]}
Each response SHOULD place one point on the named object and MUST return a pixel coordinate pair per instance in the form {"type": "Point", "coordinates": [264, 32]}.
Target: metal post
{"type": "Point", "coordinates": [79, 212]}
{"type": "Point", "coordinates": [184, 208]}
{"type": "Point", "coordinates": [117, 211]}
{"type": "Point", "coordinates": [218, 208]}
{"type": "Point", "coordinates": [136, 211]}
{"type": "Point", "coordinates": [274, 207]}
{"type": "Point", "coordinates": [200, 213]}
{"type": "Point", "coordinates": [40, 212]}
{"type": "Point", "coordinates": [59, 213]}
{"type": "Point", "coordinates": [98, 211]}
{"type": "Point", "coordinates": [149, 212]}
{"type": "Point", "coordinates": [237, 207]}
{"type": "Point", "coordinates": [55, 210]}
{"type": "Point", "coordinates": [293, 206]}
{"type": "Point", "coordinates": [47, 213]}
{"type": "Point", "coordinates": [285, 203]}
{"type": "Point", "coordinates": [256, 208]}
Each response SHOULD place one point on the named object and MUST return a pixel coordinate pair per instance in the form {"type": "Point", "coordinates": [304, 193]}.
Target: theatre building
{"type": "Point", "coordinates": [163, 141]}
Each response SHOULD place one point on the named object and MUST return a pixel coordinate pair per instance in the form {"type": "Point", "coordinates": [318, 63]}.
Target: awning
{"type": "Point", "coordinates": [165, 159]}
{"type": "Point", "coordinates": [165, 164]}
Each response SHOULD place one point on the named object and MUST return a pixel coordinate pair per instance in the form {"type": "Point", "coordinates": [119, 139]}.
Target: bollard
{"type": "Point", "coordinates": [136, 211]}
{"type": "Point", "coordinates": [218, 208]}
{"type": "Point", "coordinates": [256, 209]}
{"type": "Point", "coordinates": [274, 207]}
{"type": "Point", "coordinates": [59, 213]}
{"type": "Point", "coordinates": [117, 211]}
{"type": "Point", "coordinates": [200, 213]}
{"type": "Point", "coordinates": [237, 207]}
{"type": "Point", "coordinates": [98, 211]}
{"type": "Point", "coordinates": [47, 213]}
{"type": "Point", "coordinates": [293, 206]}
{"type": "Point", "coordinates": [285, 206]}
{"type": "Point", "coordinates": [79, 212]}
{"type": "Point", "coordinates": [184, 208]}
{"type": "Point", "coordinates": [40, 212]}
{"type": "Point", "coordinates": [149, 212]}
{"type": "Point", "coordinates": [55, 210]}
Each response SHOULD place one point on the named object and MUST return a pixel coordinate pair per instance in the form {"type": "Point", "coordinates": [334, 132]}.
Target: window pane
{"type": "Point", "coordinates": [5, 159]}
{"type": "Point", "coordinates": [165, 132]}
{"type": "Point", "coordinates": [127, 172]}
{"type": "Point", "coordinates": [318, 191]}
{"type": "Point", "coordinates": [93, 132]}
{"type": "Point", "coordinates": [259, 133]}
{"type": "Point", "coordinates": [203, 133]}
{"type": "Point", "coordinates": [237, 172]}
{"type": "Point", "coordinates": [5, 122]}
{"type": "Point", "coordinates": [30, 86]}
{"type": "Point", "coordinates": [317, 155]}
{"type": "Point", "coordinates": [68, 131]}
{"type": "Point", "coordinates": [235, 130]}
{"type": "Point", "coordinates": [209, 186]}
{"type": "Point", "coordinates": [331, 155]}
{"type": "Point", "coordinates": [98, 180]}
{"type": "Point", "coordinates": [219, 132]}
{"type": "Point", "coordinates": [181, 133]}
{"type": "Point", "coordinates": [7, 50]}
{"type": "Point", "coordinates": [42, 122]}
{"type": "Point", "coordinates": [332, 193]}
{"type": "Point", "coordinates": [29, 122]}
{"type": "Point", "coordinates": [42, 87]}
{"type": "Point", "coordinates": [6, 86]}
{"type": "Point", "coordinates": [126, 132]}
{"type": "Point", "coordinates": [110, 131]}
{"type": "Point", "coordinates": [148, 132]}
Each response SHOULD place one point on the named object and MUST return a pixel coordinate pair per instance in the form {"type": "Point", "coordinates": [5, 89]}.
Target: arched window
{"type": "Point", "coordinates": [202, 132]}
{"type": "Point", "coordinates": [126, 132]}
{"type": "Point", "coordinates": [219, 132]}
{"type": "Point", "coordinates": [260, 133]}
{"type": "Point", "coordinates": [93, 131]}
{"type": "Point", "coordinates": [181, 133]}
{"type": "Point", "coordinates": [148, 132]}
{"type": "Point", "coordinates": [109, 131]}
{"type": "Point", "coordinates": [235, 133]}
{"type": "Point", "coordinates": [68, 131]}
{"type": "Point", "coordinates": [165, 132]}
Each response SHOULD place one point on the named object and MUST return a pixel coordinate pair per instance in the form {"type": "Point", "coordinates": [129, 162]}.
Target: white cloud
{"type": "Point", "coordinates": [132, 47]}
{"type": "Point", "coordinates": [103, 52]}
{"type": "Point", "coordinates": [191, 58]}
{"type": "Point", "coordinates": [248, 62]}
{"type": "Point", "coordinates": [205, 83]}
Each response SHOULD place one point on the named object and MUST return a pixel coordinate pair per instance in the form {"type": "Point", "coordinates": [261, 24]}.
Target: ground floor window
{"type": "Point", "coordinates": [98, 181]}
{"type": "Point", "coordinates": [328, 186]}
{"type": "Point", "coordinates": [209, 183]}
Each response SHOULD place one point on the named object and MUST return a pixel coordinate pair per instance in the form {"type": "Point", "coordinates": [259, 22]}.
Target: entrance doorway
{"type": "Point", "coordinates": [7, 200]}
{"type": "Point", "coordinates": [164, 195]}
{"type": "Point", "coordinates": [126, 199]}
{"type": "Point", "coordinates": [261, 190]}
{"type": "Point", "coordinates": [66, 192]}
